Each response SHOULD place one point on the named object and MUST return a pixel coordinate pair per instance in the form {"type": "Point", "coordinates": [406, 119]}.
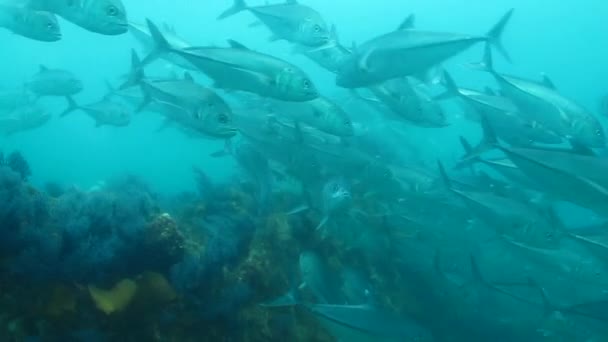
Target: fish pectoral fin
{"type": "Point", "coordinates": [302, 286]}
{"type": "Point", "coordinates": [364, 60]}
{"type": "Point", "coordinates": [323, 222]}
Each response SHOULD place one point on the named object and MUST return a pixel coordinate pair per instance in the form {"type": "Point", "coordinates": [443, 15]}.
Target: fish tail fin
{"type": "Point", "coordinates": [487, 62]}
{"type": "Point", "coordinates": [495, 34]}
{"type": "Point", "coordinates": [444, 175]}
{"type": "Point", "coordinates": [489, 139]}
{"type": "Point", "coordinates": [451, 89]}
{"type": "Point", "coordinates": [161, 44]}
{"type": "Point", "coordinates": [72, 106]}
{"type": "Point", "coordinates": [227, 150]}
{"type": "Point", "coordinates": [469, 158]}
{"type": "Point", "coordinates": [238, 6]}
{"type": "Point", "coordinates": [111, 91]}
{"type": "Point", "coordinates": [136, 75]}
{"type": "Point", "coordinates": [145, 102]}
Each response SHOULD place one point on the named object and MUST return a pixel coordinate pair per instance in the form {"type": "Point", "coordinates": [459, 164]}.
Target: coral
{"type": "Point", "coordinates": [115, 299]}
{"type": "Point", "coordinates": [164, 242]}
{"type": "Point", "coordinates": [16, 162]}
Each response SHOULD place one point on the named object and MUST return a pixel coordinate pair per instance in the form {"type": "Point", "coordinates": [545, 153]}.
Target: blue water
{"type": "Point", "coordinates": [565, 40]}
{"type": "Point", "coordinates": [562, 40]}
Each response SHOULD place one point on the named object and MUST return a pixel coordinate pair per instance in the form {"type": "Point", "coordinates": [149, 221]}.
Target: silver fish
{"type": "Point", "coordinates": [541, 102]}
{"type": "Point", "coordinates": [290, 21]}
{"type": "Point", "coordinates": [107, 17]}
{"type": "Point", "coordinates": [238, 68]}
{"type": "Point", "coordinates": [407, 52]}
{"type": "Point", "coordinates": [321, 113]}
{"type": "Point", "coordinates": [504, 116]}
{"type": "Point", "coordinates": [187, 102]}
{"type": "Point", "coordinates": [366, 323]}
{"type": "Point", "coordinates": [37, 25]}
{"type": "Point", "coordinates": [54, 82]}
{"type": "Point", "coordinates": [105, 112]}
{"type": "Point", "coordinates": [24, 118]}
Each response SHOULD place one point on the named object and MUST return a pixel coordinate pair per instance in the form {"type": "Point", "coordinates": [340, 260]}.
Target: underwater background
{"type": "Point", "coordinates": [142, 233]}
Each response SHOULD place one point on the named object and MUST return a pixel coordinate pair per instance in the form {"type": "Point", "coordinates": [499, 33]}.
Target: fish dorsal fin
{"type": "Point", "coordinates": [236, 45]}
{"type": "Point", "coordinates": [188, 77]}
{"type": "Point", "coordinates": [408, 23]}
{"type": "Point", "coordinates": [43, 68]}
{"type": "Point", "coordinates": [547, 82]}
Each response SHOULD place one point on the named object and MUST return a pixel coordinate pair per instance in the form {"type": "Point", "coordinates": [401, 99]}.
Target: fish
{"type": "Point", "coordinates": [315, 277]}
{"type": "Point", "coordinates": [329, 56]}
{"type": "Point", "coordinates": [184, 101]}
{"type": "Point", "coordinates": [257, 167]}
{"type": "Point", "coordinates": [290, 21]}
{"type": "Point", "coordinates": [542, 102]}
{"type": "Point", "coordinates": [239, 68]}
{"type": "Point", "coordinates": [568, 263]}
{"type": "Point", "coordinates": [54, 82]}
{"type": "Point", "coordinates": [408, 52]}
{"type": "Point", "coordinates": [367, 323]}
{"type": "Point", "coordinates": [335, 194]}
{"type": "Point", "coordinates": [556, 170]}
{"type": "Point", "coordinates": [105, 112]}
{"type": "Point", "coordinates": [408, 102]}
{"type": "Point", "coordinates": [13, 99]}
{"type": "Point", "coordinates": [38, 25]}
{"type": "Point", "coordinates": [356, 287]}
{"type": "Point", "coordinates": [24, 118]}
{"type": "Point", "coordinates": [142, 35]}
{"type": "Point", "coordinates": [107, 17]}
{"type": "Point", "coordinates": [321, 113]}
{"type": "Point", "coordinates": [604, 106]}
{"type": "Point", "coordinates": [520, 221]}
{"type": "Point", "coordinates": [504, 116]}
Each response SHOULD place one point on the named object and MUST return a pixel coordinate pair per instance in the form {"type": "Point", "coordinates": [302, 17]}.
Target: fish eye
{"type": "Point", "coordinates": [112, 11]}
{"type": "Point", "coordinates": [306, 84]}
{"type": "Point", "coordinates": [222, 118]}
{"type": "Point", "coordinates": [347, 123]}
{"type": "Point", "coordinates": [50, 26]}
{"type": "Point", "coordinates": [210, 105]}
{"type": "Point", "coordinates": [317, 28]}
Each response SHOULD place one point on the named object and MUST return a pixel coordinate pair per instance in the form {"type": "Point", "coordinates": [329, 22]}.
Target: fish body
{"type": "Point", "coordinates": [239, 68]}
{"type": "Point", "coordinates": [410, 103]}
{"type": "Point", "coordinates": [54, 82]}
{"type": "Point", "coordinates": [366, 323]}
{"type": "Point", "coordinates": [541, 102]}
{"type": "Point", "coordinates": [321, 113]}
{"type": "Point", "coordinates": [38, 25]}
{"type": "Point", "coordinates": [107, 17]}
{"type": "Point", "coordinates": [314, 276]}
{"type": "Point", "coordinates": [383, 58]}
{"type": "Point", "coordinates": [290, 21]}
{"type": "Point", "coordinates": [184, 101]}
{"type": "Point", "coordinates": [504, 116]}
{"type": "Point", "coordinates": [105, 112]}
{"type": "Point", "coordinates": [24, 118]}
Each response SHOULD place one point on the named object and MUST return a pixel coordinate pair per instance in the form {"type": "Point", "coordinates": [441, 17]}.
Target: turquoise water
{"type": "Point", "coordinates": [202, 258]}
